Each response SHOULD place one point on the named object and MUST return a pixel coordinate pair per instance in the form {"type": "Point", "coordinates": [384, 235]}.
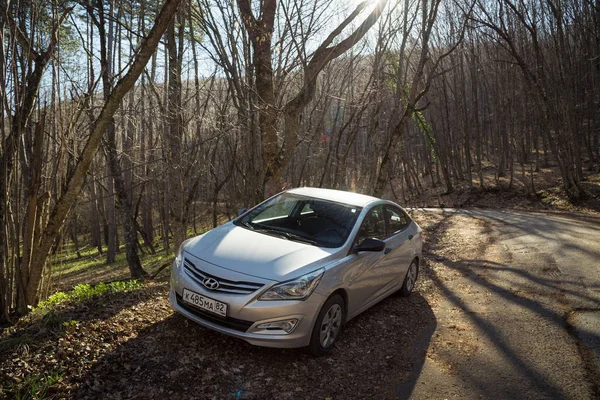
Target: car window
{"type": "Point", "coordinates": [373, 226]}
{"type": "Point", "coordinates": [396, 219]}
{"type": "Point", "coordinates": [313, 221]}
{"type": "Point", "coordinates": [307, 209]}
{"type": "Point", "coordinates": [274, 210]}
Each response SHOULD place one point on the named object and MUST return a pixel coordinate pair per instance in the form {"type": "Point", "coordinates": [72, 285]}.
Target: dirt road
{"type": "Point", "coordinates": [516, 297]}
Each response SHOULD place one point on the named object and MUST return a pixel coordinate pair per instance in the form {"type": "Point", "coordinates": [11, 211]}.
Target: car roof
{"type": "Point", "coordinates": [338, 196]}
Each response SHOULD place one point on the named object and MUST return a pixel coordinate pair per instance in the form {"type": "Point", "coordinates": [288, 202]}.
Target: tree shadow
{"type": "Point", "coordinates": [538, 292]}
{"type": "Point", "coordinates": [380, 348]}
{"type": "Point", "coordinates": [477, 265]}
{"type": "Point", "coordinates": [518, 295]}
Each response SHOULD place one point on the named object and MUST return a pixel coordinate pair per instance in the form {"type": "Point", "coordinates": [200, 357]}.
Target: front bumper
{"type": "Point", "coordinates": [245, 313]}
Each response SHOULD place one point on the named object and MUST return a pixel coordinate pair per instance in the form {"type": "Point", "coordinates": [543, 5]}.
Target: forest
{"type": "Point", "coordinates": [127, 126]}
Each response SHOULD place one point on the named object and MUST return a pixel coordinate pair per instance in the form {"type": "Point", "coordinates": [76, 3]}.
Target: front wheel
{"type": "Point", "coordinates": [410, 279]}
{"type": "Point", "coordinates": [328, 326]}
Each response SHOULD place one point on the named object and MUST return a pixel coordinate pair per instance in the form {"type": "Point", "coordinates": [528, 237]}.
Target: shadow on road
{"type": "Point", "coordinates": [520, 296]}
{"type": "Point", "coordinates": [567, 239]}
{"type": "Point", "coordinates": [509, 306]}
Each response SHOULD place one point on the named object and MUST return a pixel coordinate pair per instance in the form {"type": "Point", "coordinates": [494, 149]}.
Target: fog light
{"type": "Point", "coordinates": [287, 325]}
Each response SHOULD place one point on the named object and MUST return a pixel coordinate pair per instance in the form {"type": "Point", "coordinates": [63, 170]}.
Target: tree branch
{"type": "Point", "coordinates": [60, 211]}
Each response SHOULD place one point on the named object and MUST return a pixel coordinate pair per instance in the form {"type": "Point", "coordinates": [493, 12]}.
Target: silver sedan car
{"type": "Point", "coordinates": [293, 270]}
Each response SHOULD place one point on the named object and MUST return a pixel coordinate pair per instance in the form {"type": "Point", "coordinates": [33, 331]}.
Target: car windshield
{"type": "Point", "coordinates": [314, 221]}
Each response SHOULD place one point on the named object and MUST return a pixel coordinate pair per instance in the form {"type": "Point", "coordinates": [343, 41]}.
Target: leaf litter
{"type": "Point", "coordinates": [133, 346]}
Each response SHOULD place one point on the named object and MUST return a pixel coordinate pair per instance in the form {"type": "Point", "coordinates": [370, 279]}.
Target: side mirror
{"type": "Point", "coordinates": [369, 244]}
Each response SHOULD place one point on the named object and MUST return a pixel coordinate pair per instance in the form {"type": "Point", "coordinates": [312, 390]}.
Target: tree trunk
{"type": "Point", "coordinates": [96, 236]}
{"type": "Point", "coordinates": [125, 209]}
{"type": "Point", "coordinates": [75, 181]}
{"type": "Point", "coordinates": [109, 207]}
{"type": "Point", "coordinates": [116, 175]}
{"type": "Point", "coordinates": [174, 137]}
{"type": "Point", "coordinates": [22, 118]}
{"type": "Point", "coordinates": [274, 157]}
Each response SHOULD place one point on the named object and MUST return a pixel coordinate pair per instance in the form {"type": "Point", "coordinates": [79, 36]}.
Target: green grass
{"type": "Point", "coordinates": [70, 326]}
{"type": "Point", "coordinates": [54, 317]}
{"type": "Point", "coordinates": [68, 270]}
{"type": "Point", "coordinates": [35, 387]}
{"type": "Point", "coordinates": [48, 314]}
{"type": "Point", "coordinates": [85, 291]}
{"type": "Point", "coordinates": [17, 342]}
{"type": "Point", "coordinates": [68, 263]}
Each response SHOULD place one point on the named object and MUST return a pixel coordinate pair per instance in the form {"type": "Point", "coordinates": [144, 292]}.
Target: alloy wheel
{"type": "Point", "coordinates": [331, 325]}
{"type": "Point", "coordinates": [411, 277]}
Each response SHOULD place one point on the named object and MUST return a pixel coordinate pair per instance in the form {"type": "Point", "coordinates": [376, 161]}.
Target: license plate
{"type": "Point", "coordinates": [205, 303]}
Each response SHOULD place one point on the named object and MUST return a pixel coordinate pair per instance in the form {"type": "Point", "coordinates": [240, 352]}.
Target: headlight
{"type": "Point", "coordinates": [179, 257]}
{"type": "Point", "coordinates": [298, 289]}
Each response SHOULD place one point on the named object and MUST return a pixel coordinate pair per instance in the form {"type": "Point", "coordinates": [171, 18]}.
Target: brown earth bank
{"type": "Point", "coordinates": [500, 192]}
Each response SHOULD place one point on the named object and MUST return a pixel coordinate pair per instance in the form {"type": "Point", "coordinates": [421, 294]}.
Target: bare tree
{"type": "Point", "coordinates": [546, 73]}
{"type": "Point", "coordinates": [31, 272]}
{"type": "Point", "coordinates": [260, 31]}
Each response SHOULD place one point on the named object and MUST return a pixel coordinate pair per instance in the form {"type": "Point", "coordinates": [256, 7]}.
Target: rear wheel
{"type": "Point", "coordinates": [410, 279]}
{"type": "Point", "coordinates": [328, 326]}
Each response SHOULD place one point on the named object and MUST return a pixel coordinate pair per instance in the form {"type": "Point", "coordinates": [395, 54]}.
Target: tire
{"type": "Point", "coordinates": [410, 279]}
{"type": "Point", "coordinates": [328, 326]}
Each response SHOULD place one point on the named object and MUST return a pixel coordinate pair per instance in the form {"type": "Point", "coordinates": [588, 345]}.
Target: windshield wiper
{"type": "Point", "coordinates": [282, 234]}
{"type": "Point", "coordinates": [264, 229]}
{"type": "Point", "coordinates": [273, 232]}
{"type": "Point", "coordinates": [247, 224]}
{"type": "Point", "coordinates": [299, 238]}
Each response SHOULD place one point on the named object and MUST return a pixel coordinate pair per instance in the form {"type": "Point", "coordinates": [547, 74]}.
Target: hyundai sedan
{"type": "Point", "coordinates": [293, 270]}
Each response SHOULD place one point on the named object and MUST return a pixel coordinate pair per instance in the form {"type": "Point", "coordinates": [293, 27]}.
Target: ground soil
{"type": "Point", "coordinates": [500, 192]}
{"type": "Point", "coordinates": [132, 345]}
{"type": "Point", "coordinates": [449, 339]}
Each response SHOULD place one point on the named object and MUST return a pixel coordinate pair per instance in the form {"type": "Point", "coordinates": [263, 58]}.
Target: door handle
{"type": "Point", "coordinates": [410, 237]}
{"type": "Point", "coordinates": [387, 250]}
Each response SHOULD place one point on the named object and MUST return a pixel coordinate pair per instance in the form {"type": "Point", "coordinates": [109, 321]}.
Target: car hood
{"type": "Point", "coordinates": [257, 254]}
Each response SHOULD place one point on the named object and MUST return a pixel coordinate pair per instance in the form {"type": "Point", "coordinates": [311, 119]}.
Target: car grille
{"type": "Point", "coordinates": [225, 285]}
{"type": "Point", "coordinates": [227, 322]}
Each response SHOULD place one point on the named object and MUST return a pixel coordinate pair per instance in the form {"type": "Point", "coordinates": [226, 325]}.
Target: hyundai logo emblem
{"type": "Point", "coordinates": [210, 283]}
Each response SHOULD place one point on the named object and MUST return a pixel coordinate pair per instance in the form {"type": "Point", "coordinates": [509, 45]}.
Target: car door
{"type": "Point", "coordinates": [398, 247]}
{"type": "Point", "coordinates": [365, 278]}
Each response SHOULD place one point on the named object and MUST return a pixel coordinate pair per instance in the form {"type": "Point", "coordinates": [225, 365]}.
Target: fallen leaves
{"type": "Point", "coordinates": [133, 346]}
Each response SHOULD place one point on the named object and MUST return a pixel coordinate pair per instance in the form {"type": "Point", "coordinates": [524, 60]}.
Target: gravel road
{"type": "Point", "coordinates": [517, 304]}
